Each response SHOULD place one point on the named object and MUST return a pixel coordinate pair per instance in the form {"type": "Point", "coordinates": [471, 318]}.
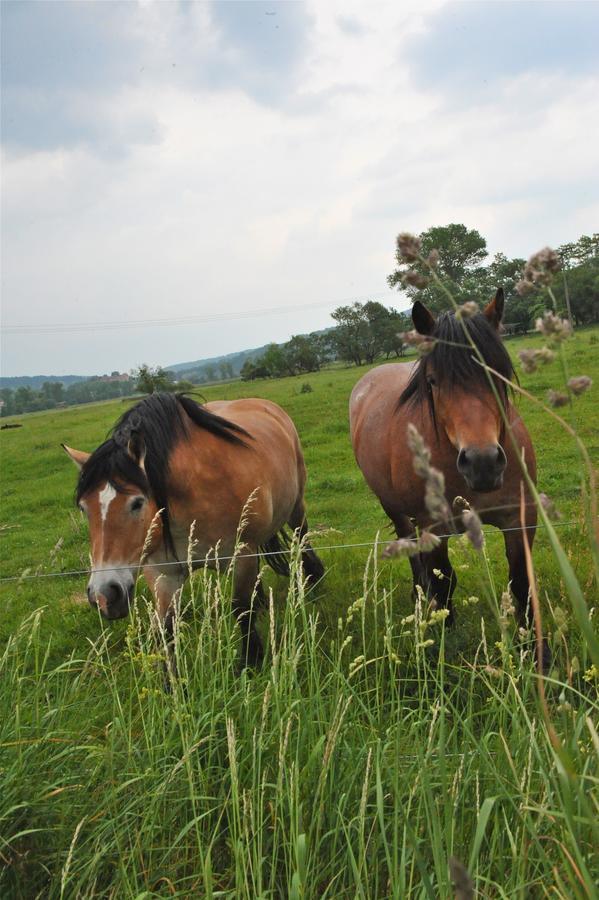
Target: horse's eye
{"type": "Point", "coordinates": [431, 380]}
{"type": "Point", "coordinates": [137, 504]}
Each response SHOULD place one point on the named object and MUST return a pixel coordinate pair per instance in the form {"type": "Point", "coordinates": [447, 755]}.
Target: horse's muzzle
{"type": "Point", "coordinates": [111, 598]}
{"type": "Point", "coordinates": [482, 467]}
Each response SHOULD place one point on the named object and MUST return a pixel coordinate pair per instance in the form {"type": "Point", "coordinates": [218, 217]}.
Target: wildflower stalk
{"type": "Point", "coordinates": [572, 432]}
{"type": "Point", "coordinates": [574, 591]}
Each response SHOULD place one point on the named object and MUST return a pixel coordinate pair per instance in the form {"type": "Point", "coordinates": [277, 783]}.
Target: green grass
{"type": "Point", "coordinates": [358, 761]}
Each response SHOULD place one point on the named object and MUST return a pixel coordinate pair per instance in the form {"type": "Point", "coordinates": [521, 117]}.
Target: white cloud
{"type": "Point", "coordinates": [235, 202]}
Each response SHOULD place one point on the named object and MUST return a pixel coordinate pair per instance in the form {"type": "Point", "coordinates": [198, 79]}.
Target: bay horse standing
{"type": "Point", "coordinates": [170, 462]}
{"type": "Point", "coordinates": [446, 395]}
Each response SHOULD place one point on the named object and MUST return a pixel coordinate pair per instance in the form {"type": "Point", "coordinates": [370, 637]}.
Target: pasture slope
{"type": "Point", "coordinates": [375, 755]}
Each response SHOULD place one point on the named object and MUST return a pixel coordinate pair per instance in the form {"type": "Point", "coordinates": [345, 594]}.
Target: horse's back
{"type": "Point", "coordinates": [218, 476]}
{"type": "Point", "coordinates": [252, 409]}
{"type": "Point", "coordinates": [270, 427]}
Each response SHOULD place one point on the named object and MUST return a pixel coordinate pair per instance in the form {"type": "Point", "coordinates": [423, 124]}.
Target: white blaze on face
{"type": "Point", "coordinates": [113, 571]}
{"type": "Point", "coordinates": [106, 496]}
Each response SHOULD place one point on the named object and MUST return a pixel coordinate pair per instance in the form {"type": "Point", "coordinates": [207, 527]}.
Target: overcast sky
{"type": "Point", "coordinates": [173, 160]}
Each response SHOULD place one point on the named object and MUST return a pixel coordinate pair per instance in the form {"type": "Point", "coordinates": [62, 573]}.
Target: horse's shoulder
{"type": "Point", "coordinates": [386, 380]}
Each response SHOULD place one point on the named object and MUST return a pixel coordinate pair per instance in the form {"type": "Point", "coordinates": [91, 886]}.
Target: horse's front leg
{"type": "Point", "coordinates": [519, 580]}
{"type": "Point", "coordinates": [244, 594]}
{"type": "Point", "coordinates": [436, 576]}
{"type": "Point", "coordinates": [165, 587]}
{"type": "Point", "coordinates": [518, 573]}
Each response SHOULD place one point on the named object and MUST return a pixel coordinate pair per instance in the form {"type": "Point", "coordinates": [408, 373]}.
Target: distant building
{"type": "Point", "coordinates": [115, 376]}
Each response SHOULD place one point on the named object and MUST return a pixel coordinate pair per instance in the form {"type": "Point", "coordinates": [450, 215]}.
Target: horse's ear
{"type": "Point", "coordinates": [79, 457]}
{"type": "Point", "coordinates": [494, 310]}
{"type": "Point", "coordinates": [424, 321]}
{"type": "Point", "coordinates": [136, 448]}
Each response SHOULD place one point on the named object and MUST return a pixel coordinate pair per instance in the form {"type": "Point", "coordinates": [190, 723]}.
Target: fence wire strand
{"type": "Point", "coordinates": [215, 559]}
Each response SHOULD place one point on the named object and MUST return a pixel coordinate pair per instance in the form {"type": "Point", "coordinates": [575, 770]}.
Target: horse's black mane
{"type": "Point", "coordinates": [459, 367]}
{"type": "Point", "coordinates": [153, 426]}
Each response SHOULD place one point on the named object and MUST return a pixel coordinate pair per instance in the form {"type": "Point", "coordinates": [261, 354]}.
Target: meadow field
{"type": "Point", "coordinates": [376, 754]}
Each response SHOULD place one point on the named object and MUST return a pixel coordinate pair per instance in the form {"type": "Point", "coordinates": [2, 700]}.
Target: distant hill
{"type": "Point", "coordinates": [190, 369]}
{"type": "Point", "coordinates": [35, 381]}
{"type": "Point", "coordinates": [185, 370]}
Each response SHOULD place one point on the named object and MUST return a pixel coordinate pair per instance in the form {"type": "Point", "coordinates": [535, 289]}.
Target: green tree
{"type": "Point", "coordinates": [23, 399]}
{"type": "Point", "coordinates": [252, 369]}
{"type": "Point", "coordinates": [301, 354]}
{"type": "Point", "coordinates": [351, 334]}
{"type": "Point", "coordinates": [151, 379]}
{"type": "Point", "coordinates": [8, 398]}
{"type": "Point", "coordinates": [582, 284]}
{"type": "Point", "coordinates": [226, 370]}
{"type": "Point", "coordinates": [53, 390]}
{"type": "Point", "coordinates": [275, 362]}
{"type": "Point", "coordinates": [391, 341]}
{"type": "Point", "coordinates": [575, 253]}
{"type": "Point", "coordinates": [481, 285]}
{"type": "Point", "coordinates": [460, 252]}
{"type": "Point", "coordinates": [364, 331]}
{"type": "Point", "coordinates": [185, 385]}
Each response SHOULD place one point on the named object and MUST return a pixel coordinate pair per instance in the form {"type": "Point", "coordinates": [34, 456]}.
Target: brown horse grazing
{"type": "Point", "coordinates": [447, 396]}
{"type": "Point", "coordinates": [195, 463]}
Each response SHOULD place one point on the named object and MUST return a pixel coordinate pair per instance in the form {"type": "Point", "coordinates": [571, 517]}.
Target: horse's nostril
{"type": "Point", "coordinates": [501, 457]}
{"type": "Point", "coordinates": [113, 592]}
{"type": "Point", "coordinates": [482, 467]}
{"type": "Point", "coordinates": [463, 460]}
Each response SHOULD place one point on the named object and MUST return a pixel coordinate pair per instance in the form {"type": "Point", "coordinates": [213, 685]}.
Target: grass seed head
{"type": "Point", "coordinates": [474, 528]}
{"type": "Point", "coordinates": [408, 246]}
{"type": "Point", "coordinates": [557, 399]}
{"type": "Point", "coordinates": [529, 358]}
{"type": "Point", "coordinates": [411, 278]}
{"type": "Point", "coordinates": [554, 328]}
{"type": "Point", "coordinates": [539, 270]}
{"type": "Point", "coordinates": [432, 259]}
{"type": "Point", "coordinates": [420, 342]}
{"type": "Point", "coordinates": [467, 310]}
{"type": "Point", "coordinates": [548, 505]}
{"type": "Point", "coordinates": [579, 384]}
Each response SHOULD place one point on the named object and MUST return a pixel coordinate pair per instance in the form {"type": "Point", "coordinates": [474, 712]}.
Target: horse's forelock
{"type": "Point", "coordinates": [111, 464]}
{"type": "Point", "coordinates": [455, 362]}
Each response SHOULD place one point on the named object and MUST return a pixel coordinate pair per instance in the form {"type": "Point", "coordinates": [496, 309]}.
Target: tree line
{"type": "Point", "coordinates": [55, 395]}
{"type": "Point", "coordinates": [460, 253]}
{"type": "Point", "coordinates": [364, 332]}
{"type": "Point", "coordinates": [368, 331]}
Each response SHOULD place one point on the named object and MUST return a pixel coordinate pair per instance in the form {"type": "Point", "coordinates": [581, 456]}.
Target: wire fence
{"type": "Point", "coordinates": [203, 319]}
{"type": "Point", "coordinates": [213, 558]}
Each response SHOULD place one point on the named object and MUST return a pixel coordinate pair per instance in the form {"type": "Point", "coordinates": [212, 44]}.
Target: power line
{"type": "Point", "coordinates": [72, 327]}
{"type": "Point", "coordinates": [221, 559]}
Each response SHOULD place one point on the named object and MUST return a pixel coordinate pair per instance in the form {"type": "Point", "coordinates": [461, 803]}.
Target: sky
{"type": "Point", "coordinates": [186, 179]}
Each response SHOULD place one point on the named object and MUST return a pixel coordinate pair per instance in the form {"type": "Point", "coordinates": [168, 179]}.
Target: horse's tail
{"type": "Point", "coordinates": [276, 552]}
